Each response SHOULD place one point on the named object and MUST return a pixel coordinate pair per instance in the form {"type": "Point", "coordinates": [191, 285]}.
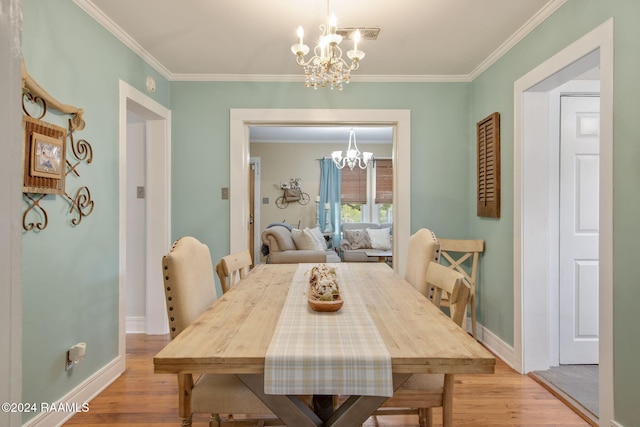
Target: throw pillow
{"type": "Point", "coordinates": [317, 245]}
{"type": "Point", "coordinates": [303, 240]}
{"type": "Point", "coordinates": [359, 239]}
{"type": "Point", "coordinates": [319, 237]}
{"type": "Point", "coordinates": [380, 238]}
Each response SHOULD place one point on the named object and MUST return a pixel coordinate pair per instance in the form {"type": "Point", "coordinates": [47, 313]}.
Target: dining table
{"type": "Point", "coordinates": [263, 331]}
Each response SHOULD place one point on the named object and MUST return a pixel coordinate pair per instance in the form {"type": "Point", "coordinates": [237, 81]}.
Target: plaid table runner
{"type": "Point", "coordinates": [327, 353]}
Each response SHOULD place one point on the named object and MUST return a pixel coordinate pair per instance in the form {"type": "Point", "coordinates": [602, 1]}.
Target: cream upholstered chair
{"type": "Point", "coordinates": [422, 392]}
{"type": "Point", "coordinates": [189, 287]}
{"type": "Point", "coordinates": [233, 268]}
{"type": "Point", "coordinates": [423, 248]}
{"type": "Point", "coordinates": [456, 253]}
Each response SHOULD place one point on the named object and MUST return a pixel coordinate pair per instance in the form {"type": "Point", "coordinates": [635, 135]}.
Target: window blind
{"type": "Point", "coordinates": [354, 186]}
{"type": "Point", "coordinates": [384, 180]}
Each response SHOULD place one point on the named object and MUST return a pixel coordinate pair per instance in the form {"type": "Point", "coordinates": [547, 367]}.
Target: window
{"type": "Point", "coordinates": [367, 194]}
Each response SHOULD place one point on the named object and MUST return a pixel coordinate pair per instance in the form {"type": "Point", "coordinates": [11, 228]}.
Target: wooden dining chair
{"type": "Point", "coordinates": [423, 392]}
{"type": "Point", "coordinates": [189, 287]}
{"type": "Point", "coordinates": [423, 247]}
{"type": "Point", "coordinates": [456, 253]}
{"type": "Point", "coordinates": [233, 268]}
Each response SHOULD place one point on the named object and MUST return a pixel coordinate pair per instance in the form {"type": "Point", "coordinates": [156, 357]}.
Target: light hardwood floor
{"type": "Point", "coordinates": [140, 397]}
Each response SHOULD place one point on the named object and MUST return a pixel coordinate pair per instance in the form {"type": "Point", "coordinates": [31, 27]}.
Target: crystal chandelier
{"type": "Point", "coordinates": [326, 67]}
{"type": "Point", "coordinates": [353, 156]}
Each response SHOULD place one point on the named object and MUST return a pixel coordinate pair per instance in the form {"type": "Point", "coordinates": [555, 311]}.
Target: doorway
{"type": "Point", "coordinates": [535, 242]}
{"type": "Point", "coordinates": [574, 350]}
{"type": "Point", "coordinates": [154, 127]}
{"type": "Point", "coordinates": [241, 119]}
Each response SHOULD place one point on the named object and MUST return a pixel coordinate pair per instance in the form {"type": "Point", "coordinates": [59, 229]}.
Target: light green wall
{"type": "Point", "coordinates": [70, 274]}
{"type": "Point", "coordinates": [70, 278]}
{"type": "Point", "coordinates": [493, 91]}
{"type": "Point", "coordinates": [200, 147]}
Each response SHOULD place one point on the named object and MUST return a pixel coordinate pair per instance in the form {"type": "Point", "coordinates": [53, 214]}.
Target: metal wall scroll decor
{"type": "Point", "coordinates": [46, 161]}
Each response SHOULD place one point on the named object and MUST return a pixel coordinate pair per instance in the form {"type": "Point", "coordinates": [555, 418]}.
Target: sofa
{"type": "Point", "coordinates": [279, 245]}
{"type": "Point", "coordinates": [356, 240]}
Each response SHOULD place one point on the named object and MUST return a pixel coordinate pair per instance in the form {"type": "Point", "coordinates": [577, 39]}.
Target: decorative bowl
{"type": "Point", "coordinates": [318, 305]}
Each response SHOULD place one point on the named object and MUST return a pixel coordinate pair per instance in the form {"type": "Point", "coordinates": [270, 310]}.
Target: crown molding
{"type": "Point", "coordinates": [120, 34]}
{"type": "Point", "coordinates": [298, 78]}
{"type": "Point", "coordinates": [517, 37]}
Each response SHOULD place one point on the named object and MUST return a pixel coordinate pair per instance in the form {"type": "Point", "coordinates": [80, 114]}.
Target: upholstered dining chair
{"type": "Point", "coordinates": [232, 268]}
{"type": "Point", "coordinates": [423, 247]}
{"type": "Point", "coordinates": [189, 287]}
{"type": "Point", "coordinates": [423, 392]}
{"type": "Point", "coordinates": [456, 254]}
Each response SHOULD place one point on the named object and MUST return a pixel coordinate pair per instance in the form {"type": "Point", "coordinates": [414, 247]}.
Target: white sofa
{"type": "Point", "coordinates": [354, 251]}
{"type": "Point", "coordinates": [281, 248]}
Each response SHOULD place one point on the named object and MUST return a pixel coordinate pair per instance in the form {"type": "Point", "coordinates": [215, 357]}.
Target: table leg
{"type": "Point", "coordinates": [293, 412]}
{"type": "Point", "coordinates": [185, 387]}
{"type": "Point", "coordinates": [290, 409]}
{"type": "Point", "coordinates": [357, 409]}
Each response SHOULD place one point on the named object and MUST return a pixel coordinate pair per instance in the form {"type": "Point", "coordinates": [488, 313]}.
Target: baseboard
{"type": "Point", "coordinates": [81, 395]}
{"type": "Point", "coordinates": [615, 424]}
{"type": "Point", "coordinates": [498, 347]}
{"type": "Point", "coordinates": [136, 325]}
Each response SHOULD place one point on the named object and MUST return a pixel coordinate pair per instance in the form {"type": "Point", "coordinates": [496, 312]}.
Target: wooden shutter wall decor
{"type": "Point", "coordinates": [488, 134]}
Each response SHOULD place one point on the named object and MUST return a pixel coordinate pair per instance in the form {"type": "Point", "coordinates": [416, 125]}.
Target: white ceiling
{"type": "Point", "coordinates": [419, 40]}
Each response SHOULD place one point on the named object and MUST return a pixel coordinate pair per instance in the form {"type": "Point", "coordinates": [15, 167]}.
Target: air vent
{"type": "Point", "coordinates": [365, 33]}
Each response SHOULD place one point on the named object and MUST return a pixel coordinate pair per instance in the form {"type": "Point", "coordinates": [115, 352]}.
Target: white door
{"type": "Point", "coordinates": [579, 207]}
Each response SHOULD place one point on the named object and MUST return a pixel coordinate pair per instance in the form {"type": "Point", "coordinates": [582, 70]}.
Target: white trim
{"type": "Point", "coordinates": [128, 41]}
{"type": "Point", "coordinates": [299, 78]}
{"type": "Point", "coordinates": [615, 424]}
{"type": "Point", "coordinates": [239, 121]}
{"type": "Point", "coordinates": [81, 394]}
{"type": "Point", "coordinates": [11, 209]}
{"type": "Point", "coordinates": [498, 347]}
{"type": "Point", "coordinates": [158, 124]}
{"type": "Point", "coordinates": [257, 219]}
{"type": "Point", "coordinates": [136, 325]}
{"type": "Point", "coordinates": [516, 37]}
{"type": "Point", "coordinates": [601, 39]}
{"type": "Point", "coordinates": [123, 36]}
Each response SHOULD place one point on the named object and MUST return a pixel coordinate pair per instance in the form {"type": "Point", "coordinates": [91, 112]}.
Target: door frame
{"type": "Point", "coordinates": [241, 119]}
{"type": "Point", "coordinates": [158, 201]}
{"type": "Point", "coordinates": [532, 272]}
{"type": "Point", "coordinates": [256, 209]}
{"type": "Point", "coordinates": [11, 210]}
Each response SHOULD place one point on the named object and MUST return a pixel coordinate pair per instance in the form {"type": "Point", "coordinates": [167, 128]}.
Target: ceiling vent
{"type": "Point", "coordinates": [365, 33]}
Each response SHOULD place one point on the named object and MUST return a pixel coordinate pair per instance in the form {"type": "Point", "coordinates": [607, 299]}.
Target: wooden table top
{"type": "Point", "coordinates": [233, 335]}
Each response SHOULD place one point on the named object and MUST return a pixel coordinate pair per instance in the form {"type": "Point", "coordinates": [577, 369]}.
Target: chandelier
{"type": "Point", "coordinates": [353, 156]}
{"type": "Point", "coordinates": [326, 67]}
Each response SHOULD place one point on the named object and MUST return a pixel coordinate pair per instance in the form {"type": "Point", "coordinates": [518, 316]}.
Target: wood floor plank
{"type": "Point", "coordinates": [141, 398]}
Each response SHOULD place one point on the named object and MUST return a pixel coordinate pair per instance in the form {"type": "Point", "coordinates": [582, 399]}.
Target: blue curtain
{"type": "Point", "coordinates": [330, 185]}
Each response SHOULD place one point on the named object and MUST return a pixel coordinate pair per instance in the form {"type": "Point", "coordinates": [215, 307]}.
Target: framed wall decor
{"type": "Point", "coordinates": [44, 157]}
{"type": "Point", "coordinates": [47, 159]}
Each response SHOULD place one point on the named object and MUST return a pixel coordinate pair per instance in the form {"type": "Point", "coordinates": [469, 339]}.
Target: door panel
{"type": "Point", "coordinates": [579, 209]}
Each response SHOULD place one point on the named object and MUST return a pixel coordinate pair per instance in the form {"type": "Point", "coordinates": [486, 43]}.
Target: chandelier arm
{"type": "Point", "coordinates": [327, 67]}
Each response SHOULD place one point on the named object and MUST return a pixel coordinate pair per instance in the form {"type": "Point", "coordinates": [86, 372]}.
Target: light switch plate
{"type": "Point", "coordinates": [225, 193]}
